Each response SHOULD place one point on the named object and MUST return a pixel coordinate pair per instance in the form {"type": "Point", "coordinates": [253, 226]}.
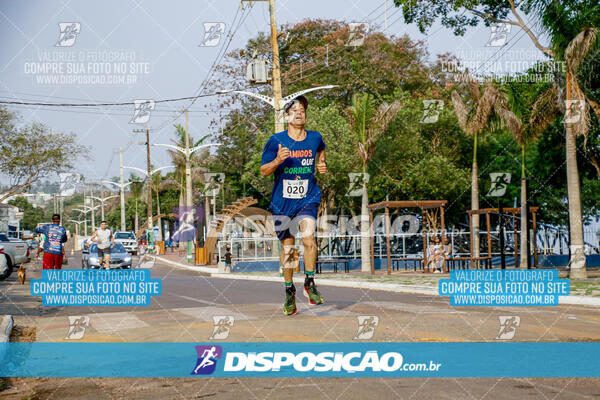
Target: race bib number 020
{"type": "Point", "coordinates": [295, 189]}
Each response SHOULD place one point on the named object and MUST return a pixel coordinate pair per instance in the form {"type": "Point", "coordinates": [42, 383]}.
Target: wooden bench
{"type": "Point", "coordinates": [396, 262]}
{"type": "Point", "coordinates": [335, 263]}
{"type": "Point", "coordinates": [461, 260]}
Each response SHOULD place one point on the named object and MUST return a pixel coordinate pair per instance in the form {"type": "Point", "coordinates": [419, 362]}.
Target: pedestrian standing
{"type": "Point", "coordinates": [54, 251]}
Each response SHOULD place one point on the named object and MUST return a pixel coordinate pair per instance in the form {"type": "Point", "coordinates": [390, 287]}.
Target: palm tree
{"type": "Point", "coordinates": [473, 121]}
{"type": "Point", "coordinates": [368, 123]}
{"type": "Point", "coordinates": [157, 184]}
{"type": "Point", "coordinates": [136, 192]}
{"type": "Point", "coordinates": [513, 113]}
{"type": "Point", "coordinates": [196, 159]}
{"type": "Point", "coordinates": [576, 125]}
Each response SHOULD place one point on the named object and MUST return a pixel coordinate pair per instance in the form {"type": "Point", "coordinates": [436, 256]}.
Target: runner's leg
{"type": "Point", "coordinates": [286, 258]}
{"type": "Point", "coordinates": [47, 261]}
{"type": "Point", "coordinates": [58, 261]}
{"type": "Point", "coordinates": [287, 266]}
{"type": "Point", "coordinates": [307, 228]}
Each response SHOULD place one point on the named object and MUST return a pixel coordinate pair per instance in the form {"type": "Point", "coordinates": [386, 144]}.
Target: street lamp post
{"type": "Point", "coordinates": [121, 193]}
{"type": "Point", "coordinates": [102, 200]}
{"type": "Point", "coordinates": [272, 101]}
{"type": "Point", "coordinates": [145, 173]}
{"type": "Point", "coordinates": [187, 152]}
{"type": "Point", "coordinates": [77, 231]}
{"type": "Point", "coordinates": [121, 187]}
{"type": "Point", "coordinates": [86, 209]}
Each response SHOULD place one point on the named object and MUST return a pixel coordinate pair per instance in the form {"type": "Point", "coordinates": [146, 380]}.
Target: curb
{"type": "Point", "coordinates": [385, 287]}
{"type": "Point", "coordinates": [398, 288]}
{"type": "Point", "coordinates": [208, 270]}
{"type": "Point", "coordinates": [6, 326]}
{"type": "Point", "coordinates": [5, 329]}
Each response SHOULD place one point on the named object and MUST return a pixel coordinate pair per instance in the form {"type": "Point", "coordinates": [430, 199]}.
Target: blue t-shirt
{"type": "Point", "coordinates": [294, 185]}
{"type": "Point", "coordinates": [56, 235]}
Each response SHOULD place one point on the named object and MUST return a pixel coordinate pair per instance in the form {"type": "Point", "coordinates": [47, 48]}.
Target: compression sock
{"type": "Point", "coordinates": [309, 278]}
{"type": "Point", "coordinates": [289, 287]}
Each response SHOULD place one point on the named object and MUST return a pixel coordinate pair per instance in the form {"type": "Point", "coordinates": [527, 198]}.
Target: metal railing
{"type": "Point", "coordinates": [403, 245]}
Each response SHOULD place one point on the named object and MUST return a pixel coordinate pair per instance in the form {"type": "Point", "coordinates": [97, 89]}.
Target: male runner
{"type": "Point", "coordinates": [290, 155]}
{"type": "Point", "coordinates": [104, 238]}
{"type": "Point", "coordinates": [55, 235]}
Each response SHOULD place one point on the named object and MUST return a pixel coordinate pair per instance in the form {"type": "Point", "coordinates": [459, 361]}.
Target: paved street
{"type": "Point", "coordinates": [185, 310]}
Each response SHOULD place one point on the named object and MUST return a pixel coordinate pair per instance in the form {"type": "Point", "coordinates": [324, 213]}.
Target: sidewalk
{"type": "Point", "coordinates": [584, 293]}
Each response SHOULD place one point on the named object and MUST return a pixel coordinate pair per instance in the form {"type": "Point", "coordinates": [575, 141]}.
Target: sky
{"type": "Point", "coordinates": [130, 50]}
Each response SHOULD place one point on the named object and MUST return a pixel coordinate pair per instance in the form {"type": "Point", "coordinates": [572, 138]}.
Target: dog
{"type": "Point", "coordinates": [21, 274]}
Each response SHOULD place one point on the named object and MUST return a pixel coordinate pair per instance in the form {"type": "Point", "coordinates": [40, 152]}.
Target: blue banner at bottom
{"type": "Point", "coordinates": [283, 359]}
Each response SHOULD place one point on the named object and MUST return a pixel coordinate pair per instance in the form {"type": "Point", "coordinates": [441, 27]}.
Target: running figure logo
{"type": "Point", "coordinates": [508, 327]}
{"type": "Point", "coordinates": [500, 181]}
{"type": "Point", "coordinates": [68, 33]}
{"type": "Point", "coordinates": [357, 33]}
{"type": "Point", "coordinates": [366, 327]}
{"type": "Point", "coordinates": [212, 33]}
{"type": "Point", "coordinates": [355, 189]}
{"type": "Point", "coordinates": [431, 111]}
{"type": "Point", "coordinates": [207, 359]}
{"type": "Point", "coordinates": [185, 228]}
{"type": "Point", "coordinates": [223, 325]}
{"type": "Point", "coordinates": [142, 110]}
{"type": "Point", "coordinates": [498, 34]}
{"type": "Point", "coordinates": [77, 327]}
{"type": "Point", "coordinates": [574, 111]}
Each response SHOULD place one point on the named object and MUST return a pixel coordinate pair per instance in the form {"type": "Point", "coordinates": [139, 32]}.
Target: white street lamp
{"type": "Point", "coordinates": [187, 151]}
{"type": "Point", "coordinates": [145, 173]}
{"type": "Point", "coordinates": [102, 200]}
{"type": "Point", "coordinates": [271, 100]}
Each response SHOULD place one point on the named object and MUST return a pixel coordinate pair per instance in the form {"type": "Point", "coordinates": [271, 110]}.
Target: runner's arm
{"type": "Point", "coordinates": [321, 164]}
{"type": "Point", "coordinates": [282, 154]}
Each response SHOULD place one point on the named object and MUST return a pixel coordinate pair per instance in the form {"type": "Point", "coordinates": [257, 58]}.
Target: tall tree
{"type": "Point", "coordinates": [32, 152]}
{"type": "Point", "coordinates": [473, 121]}
{"type": "Point", "coordinates": [368, 123]}
{"type": "Point", "coordinates": [526, 118]}
{"type": "Point", "coordinates": [568, 22]}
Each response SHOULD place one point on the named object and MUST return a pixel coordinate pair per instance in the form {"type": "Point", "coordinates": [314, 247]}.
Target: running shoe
{"type": "Point", "coordinates": [311, 292]}
{"type": "Point", "coordinates": [289, 306]}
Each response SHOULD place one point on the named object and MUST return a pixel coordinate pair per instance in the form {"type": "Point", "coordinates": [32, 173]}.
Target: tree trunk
{"type": "Point", "coordinates": [160, 228]}
{"type": "Point", "coordinates": [181, 245]}
{"type": "Point", "coordinates": [524, 231]}
{"type": "Point", "coordinates": [577, 261]}
{"type": "Point", "coordinates": [365, 232]}
{"type": "Point", "coordinates": [475, 202]}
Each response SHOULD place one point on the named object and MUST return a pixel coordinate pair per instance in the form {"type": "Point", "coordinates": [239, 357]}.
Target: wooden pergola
{"type": "Point", "coordinates": [423, 205]}
{"type": "Point", "coordinates": [506, 210]}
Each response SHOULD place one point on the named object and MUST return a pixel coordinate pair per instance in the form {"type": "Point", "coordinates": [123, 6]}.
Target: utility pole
{"type": "Point", "coordinates": [279, 125]}
{"type": "Point", "coordinates": [92, 207]}
{"type": "Point", "coordinates": [150, 236]}
{"type": "Point", "coordinates": [122, 189]}
{"type": "Point", "coordinates": [276, 72]}
{"type": "Point", "coordinates": [188, 182]}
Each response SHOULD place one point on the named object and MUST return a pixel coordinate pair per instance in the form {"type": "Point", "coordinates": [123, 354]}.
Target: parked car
{"type": "Point", "coordinates": [5, 271]}
{"type": "Point", "coordinates": [119, 257]}
{"type": "Point", "coordinates": [128, 240]}
{"type": "Point", "coordinates": [16, 250]}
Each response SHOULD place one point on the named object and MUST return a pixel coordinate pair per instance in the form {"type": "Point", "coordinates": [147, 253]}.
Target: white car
{"type": "Point", "coordinates": [128, 240]}
{"type": "Point", "coordinates": [5, 269]}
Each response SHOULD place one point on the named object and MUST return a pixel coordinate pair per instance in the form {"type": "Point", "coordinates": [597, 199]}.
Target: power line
{"type": "Point", "coordinates": [220, 54]}
{"type": "Point", "coordinates": [128, 103]}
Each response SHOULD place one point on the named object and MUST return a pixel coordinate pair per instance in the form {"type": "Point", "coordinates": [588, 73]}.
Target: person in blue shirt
{"type": "Point", "coordinates": [56, 235]}
{"type": "Point", "coordinates": [292, 156]}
